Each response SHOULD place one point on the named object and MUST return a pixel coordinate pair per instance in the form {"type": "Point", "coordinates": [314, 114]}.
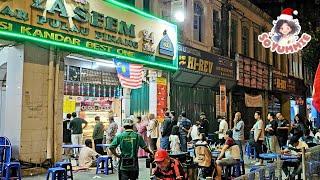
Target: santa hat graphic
{"type": "Point", "coordinates": [286, 14]}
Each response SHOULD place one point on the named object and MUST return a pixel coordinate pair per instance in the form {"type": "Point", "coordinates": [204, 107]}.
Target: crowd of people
{"type": "Point", "coordinates": [146, 136]}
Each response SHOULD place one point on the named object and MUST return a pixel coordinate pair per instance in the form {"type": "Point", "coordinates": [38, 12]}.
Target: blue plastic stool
{"type": "Point", "coordinates": [252, 175]}
{"type": "Point", "coordinates": [250, 151]}
{"type": "Point", "coordinates": [105, 165]}
{"type": "Point", "coordinates": [238, 169]}
{"type": "Point", "coordinates": [272, 172]}
{"type": "Point", "coordinates": [57, 173]}
{"type": "Point", "coordinates": [67, 166]}
{"type": "Point", "coordinates": [12, 166]}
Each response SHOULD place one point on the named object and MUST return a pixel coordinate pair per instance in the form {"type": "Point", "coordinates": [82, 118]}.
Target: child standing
{"type": "Point", "coordinates": [174, 139]}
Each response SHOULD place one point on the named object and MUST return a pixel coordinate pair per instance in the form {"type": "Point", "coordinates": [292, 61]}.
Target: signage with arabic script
{"type": "Point", "coordinates": [100, 27]}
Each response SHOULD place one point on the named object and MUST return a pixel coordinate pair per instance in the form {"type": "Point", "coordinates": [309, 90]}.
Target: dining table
{"type": "Point", "coordinates": [269, 156]}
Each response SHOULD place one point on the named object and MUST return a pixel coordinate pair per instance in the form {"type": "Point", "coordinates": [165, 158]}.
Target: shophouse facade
{"type": "Point", "coordinates": [57, 57]}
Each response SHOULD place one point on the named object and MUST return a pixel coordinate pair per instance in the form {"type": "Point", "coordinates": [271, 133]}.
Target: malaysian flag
{"type": "Point", "coordinates": [316, 90]}
{"type": "Point", "coordinates": [130, 75]}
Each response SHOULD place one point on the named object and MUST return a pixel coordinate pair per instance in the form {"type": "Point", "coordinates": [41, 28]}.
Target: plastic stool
{"type": "Point", "coordinates": [12, 166]}
{"type": "Point", "coordinates": [238, 169]}
{"type": "Point", "coordinates": [272, 172]}
{"type": "Point", "coordinates": [105, 165]}
{"type": "Point", "coordinates": [250, 151]}
{"type": "Point", "coordinates": [67, 166]}
{"type": "Point", "coordinates": [57, 173]}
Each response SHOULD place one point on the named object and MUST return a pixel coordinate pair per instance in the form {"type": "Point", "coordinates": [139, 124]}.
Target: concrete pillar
{"type": "Point", "coordinates": [14, 57]}
{"type": "Point", "coordinates": [285, 106]}
{"type": "Point", "coordinates": [279, 61]}
{"type": "Point", "coordinates": [239, 39]}
{"type": "Point", "coordinates": [153, 92]}
{"type": "Point", "coordinates": [251, 48]}
{"type": "Point", "coordinates": [126, 103]}
{"type": "Point", "coordinates": [188, 21]}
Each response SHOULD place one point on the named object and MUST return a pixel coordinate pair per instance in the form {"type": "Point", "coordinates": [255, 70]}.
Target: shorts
{"type": "Point", "coordinates": [227, 162]}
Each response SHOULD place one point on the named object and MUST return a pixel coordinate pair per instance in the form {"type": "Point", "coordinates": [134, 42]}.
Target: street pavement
{"type": "Point", "coordinates": [144, 174]}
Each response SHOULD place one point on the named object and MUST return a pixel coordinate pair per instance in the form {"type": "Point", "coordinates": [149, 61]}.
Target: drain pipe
{"type": "Point", "coordinates": [50, 104]}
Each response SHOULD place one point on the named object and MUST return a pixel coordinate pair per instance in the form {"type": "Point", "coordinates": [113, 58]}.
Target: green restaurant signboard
{"type": "Point", "coordinates": [103, 28]}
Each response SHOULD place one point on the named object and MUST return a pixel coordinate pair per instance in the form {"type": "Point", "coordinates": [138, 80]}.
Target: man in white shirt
{"type": "Point", "coordinates": [87, 155]}
{"type": "Point", "coordinates": [223, 127]}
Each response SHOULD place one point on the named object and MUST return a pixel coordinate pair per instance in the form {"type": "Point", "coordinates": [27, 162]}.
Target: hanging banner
{"type": "Point", "coordinates": [161, 97]}
{"type": "Point", "coordinates": [69, 105]}
{"type": "Point", "coordinates": [284, 36]}
{"type": "Point", "coordinates": [253, 101]}
{"type": "Point", "coordinates": [223, 100]}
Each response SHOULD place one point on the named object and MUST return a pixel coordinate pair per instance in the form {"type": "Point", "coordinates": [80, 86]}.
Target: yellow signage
{"type": "Point", "coordinates": [106, 26]}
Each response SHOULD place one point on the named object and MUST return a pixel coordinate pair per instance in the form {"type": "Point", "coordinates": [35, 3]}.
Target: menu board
{"type": "Point", "coordinates": [89, 82]}
{"type": "Point", "coordinates": [92, 90]}
{"type": "Point", "coordinates": [252, 73]}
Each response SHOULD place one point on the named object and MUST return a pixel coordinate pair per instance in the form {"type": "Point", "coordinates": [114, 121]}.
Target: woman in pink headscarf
{"type": "Point", "coordinates": [141, 126]}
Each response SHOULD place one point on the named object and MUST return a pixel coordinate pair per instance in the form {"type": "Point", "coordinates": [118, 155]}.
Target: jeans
{"type": "Point", "coordinates": [183, 143]}
{"type": "Point", "coordinates": [239, 143]}
{"type": "Point", "coordinates": [153, 144]}
{"type": "Point", "coordinates": [164, 143]}
{"type": "Point", "coordinates": [98, 149]}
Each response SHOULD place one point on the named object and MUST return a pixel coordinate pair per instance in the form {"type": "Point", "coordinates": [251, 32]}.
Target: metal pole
{"type": "Point", "coordinates": [304, 177]}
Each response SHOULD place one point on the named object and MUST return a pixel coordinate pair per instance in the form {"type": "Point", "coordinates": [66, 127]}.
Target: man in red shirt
{"type": "Point", "coordinates": [167, 168]}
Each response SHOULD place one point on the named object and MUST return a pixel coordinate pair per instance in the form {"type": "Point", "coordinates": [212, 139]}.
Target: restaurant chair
{"type": "Point", "coordinates": [104, 161]}
{"type": "Point", "coordinates": [57, 173]}
{"type": "Point", "coordinates": [67, 166]}
{"type": "Point", "coordinates": [10, 167]}
{"type": "Point", "coordinates": [7, 167]}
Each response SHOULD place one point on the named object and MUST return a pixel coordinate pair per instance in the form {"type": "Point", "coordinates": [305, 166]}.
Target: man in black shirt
{"type": "Point", "coordinates": [166, 131]}
{"type": "Point", "coordinates": [204, 124]}
{"type": "Point", "coordinates": [271, 132]}
{"type": "Point", "coordinates": [283, 130]}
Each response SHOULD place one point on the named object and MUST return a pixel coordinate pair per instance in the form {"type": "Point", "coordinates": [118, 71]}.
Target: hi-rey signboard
{"type": "Point", "coordinates": [201, 61]}
{"type": "Point", "coordinates": [284, 36]}
{"type": "Point", "coordinates": [105, 28]}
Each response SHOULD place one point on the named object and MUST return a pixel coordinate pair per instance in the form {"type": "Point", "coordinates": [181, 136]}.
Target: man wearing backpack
{"type": "Point", "coordinates": [129, 142]}
{"type": "Point", "coordinates": [166, 131]}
